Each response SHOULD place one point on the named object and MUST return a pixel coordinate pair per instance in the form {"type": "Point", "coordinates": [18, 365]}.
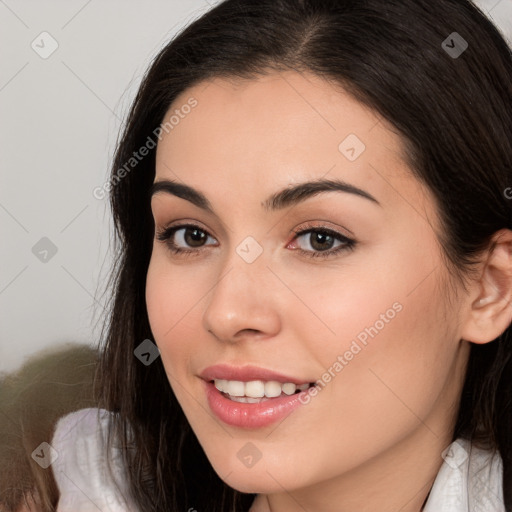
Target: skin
{"type": "Point", "coordinates": [372, 439]}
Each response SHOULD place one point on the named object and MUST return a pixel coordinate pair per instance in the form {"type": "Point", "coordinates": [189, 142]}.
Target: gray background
{"type": "Point", "coordinates": [60, 118]}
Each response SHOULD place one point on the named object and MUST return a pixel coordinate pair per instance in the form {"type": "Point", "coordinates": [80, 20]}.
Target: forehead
{"type": "Point", "coordinates": [279, 129]}
{"type": "Point", "coordinates": [285, 112]}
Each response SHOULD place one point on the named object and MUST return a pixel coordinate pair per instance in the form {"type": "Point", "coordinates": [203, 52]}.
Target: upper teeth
{"type": "Point", "coordinates": [257, 388]}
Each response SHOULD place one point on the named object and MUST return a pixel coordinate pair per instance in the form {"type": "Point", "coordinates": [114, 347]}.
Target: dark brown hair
{"type": "Point", "coordinates": [454, 114]}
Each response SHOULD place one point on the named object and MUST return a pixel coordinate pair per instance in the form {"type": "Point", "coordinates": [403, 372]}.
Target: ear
{"type": "Point", "coordinates": [491, 303]}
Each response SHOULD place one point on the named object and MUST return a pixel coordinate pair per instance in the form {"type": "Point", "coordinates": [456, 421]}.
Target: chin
{"type": "Point", "coordinates": [262, 478]}
{"type": "Point", "coordinates": [247, 482]}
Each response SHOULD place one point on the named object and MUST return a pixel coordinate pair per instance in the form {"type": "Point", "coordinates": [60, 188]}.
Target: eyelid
{"type": "Point", "coordinates": [346, 243]}
{"type": "Point", "coordinates": [325, 226]}
{"type": "Point", "coordinates": [310, 225]}
{"type": "Point", "coordinates": [165, 233]}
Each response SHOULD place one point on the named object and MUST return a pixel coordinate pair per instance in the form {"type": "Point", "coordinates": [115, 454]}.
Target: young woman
{"type": "Point", "coordinates": [313, 288]}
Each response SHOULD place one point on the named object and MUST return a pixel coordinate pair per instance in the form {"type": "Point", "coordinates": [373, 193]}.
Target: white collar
{"type": "Point", "coordinates": [80, 469]}
{"type": "Point", "coordinates": [470, 480]}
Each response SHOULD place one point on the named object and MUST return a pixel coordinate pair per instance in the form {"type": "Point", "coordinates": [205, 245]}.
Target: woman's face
{"type": "Point", "coordinates": [356, 303]}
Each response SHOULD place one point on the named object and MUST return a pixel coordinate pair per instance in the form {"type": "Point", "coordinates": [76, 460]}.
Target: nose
{"type": "Point", "coordinates": [244, 302]}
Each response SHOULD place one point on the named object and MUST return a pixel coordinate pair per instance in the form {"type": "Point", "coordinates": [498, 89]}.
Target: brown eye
{"type": "Point", "coordinates": [184, 239]}
{"type": "Point", "coordinates": [321, 241]}
{"type": "Point", "coordinates": [194, 237]}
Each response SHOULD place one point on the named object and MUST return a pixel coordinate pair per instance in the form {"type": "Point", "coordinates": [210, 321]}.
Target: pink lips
{"type": "Point", "coordinates": [246, 374]}
{"type": "Point", "coordinates": [249, 415]}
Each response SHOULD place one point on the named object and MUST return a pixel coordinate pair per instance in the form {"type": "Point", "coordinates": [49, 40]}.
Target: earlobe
{"type": "Point", "coordinates": [491, 311]}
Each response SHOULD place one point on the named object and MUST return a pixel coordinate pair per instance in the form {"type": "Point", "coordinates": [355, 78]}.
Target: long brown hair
{"type": "Point", "coordinates": [454, 113]}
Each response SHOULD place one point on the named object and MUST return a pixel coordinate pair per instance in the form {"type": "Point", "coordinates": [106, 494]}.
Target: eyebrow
{"type": "Point", "coordinates": [278, 201]}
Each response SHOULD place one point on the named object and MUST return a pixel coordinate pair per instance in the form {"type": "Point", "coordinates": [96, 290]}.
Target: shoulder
{"type": "Point", "coordinates": [470, 479]}
{"type": "Point", "coordinates": [81, 466]}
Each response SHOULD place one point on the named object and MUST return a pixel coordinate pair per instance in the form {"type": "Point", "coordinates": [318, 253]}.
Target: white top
{"type": "Point", "coordinates": [470, 480]}
{"type": "Point", "coordinates": [80, 469]}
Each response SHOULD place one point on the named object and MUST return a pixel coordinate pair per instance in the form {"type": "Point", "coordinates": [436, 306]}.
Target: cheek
{"type": "Point", "coordinates": [396, 358]}
{"type": "Point", "coordinates": [391, 347]}
{"type": "Point", "coordinates": [384, 371]}
{"type": "Point", "coordinates": [171, 296]}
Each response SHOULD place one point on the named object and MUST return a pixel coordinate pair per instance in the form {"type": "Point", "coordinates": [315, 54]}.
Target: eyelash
{"type": "Point", "coordinates": [166, 234]}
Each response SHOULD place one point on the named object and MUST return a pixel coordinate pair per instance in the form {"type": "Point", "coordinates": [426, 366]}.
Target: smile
{"type": "Point", "coordinates": [256, 391]}
{"type": "Point", "coordinates": [252, 397]}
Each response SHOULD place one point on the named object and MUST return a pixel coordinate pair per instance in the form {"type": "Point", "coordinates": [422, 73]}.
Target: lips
{"type": "Point", "coordinates": [250, 413]}
{"type": "Point", "coordinates": [248, 373]}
